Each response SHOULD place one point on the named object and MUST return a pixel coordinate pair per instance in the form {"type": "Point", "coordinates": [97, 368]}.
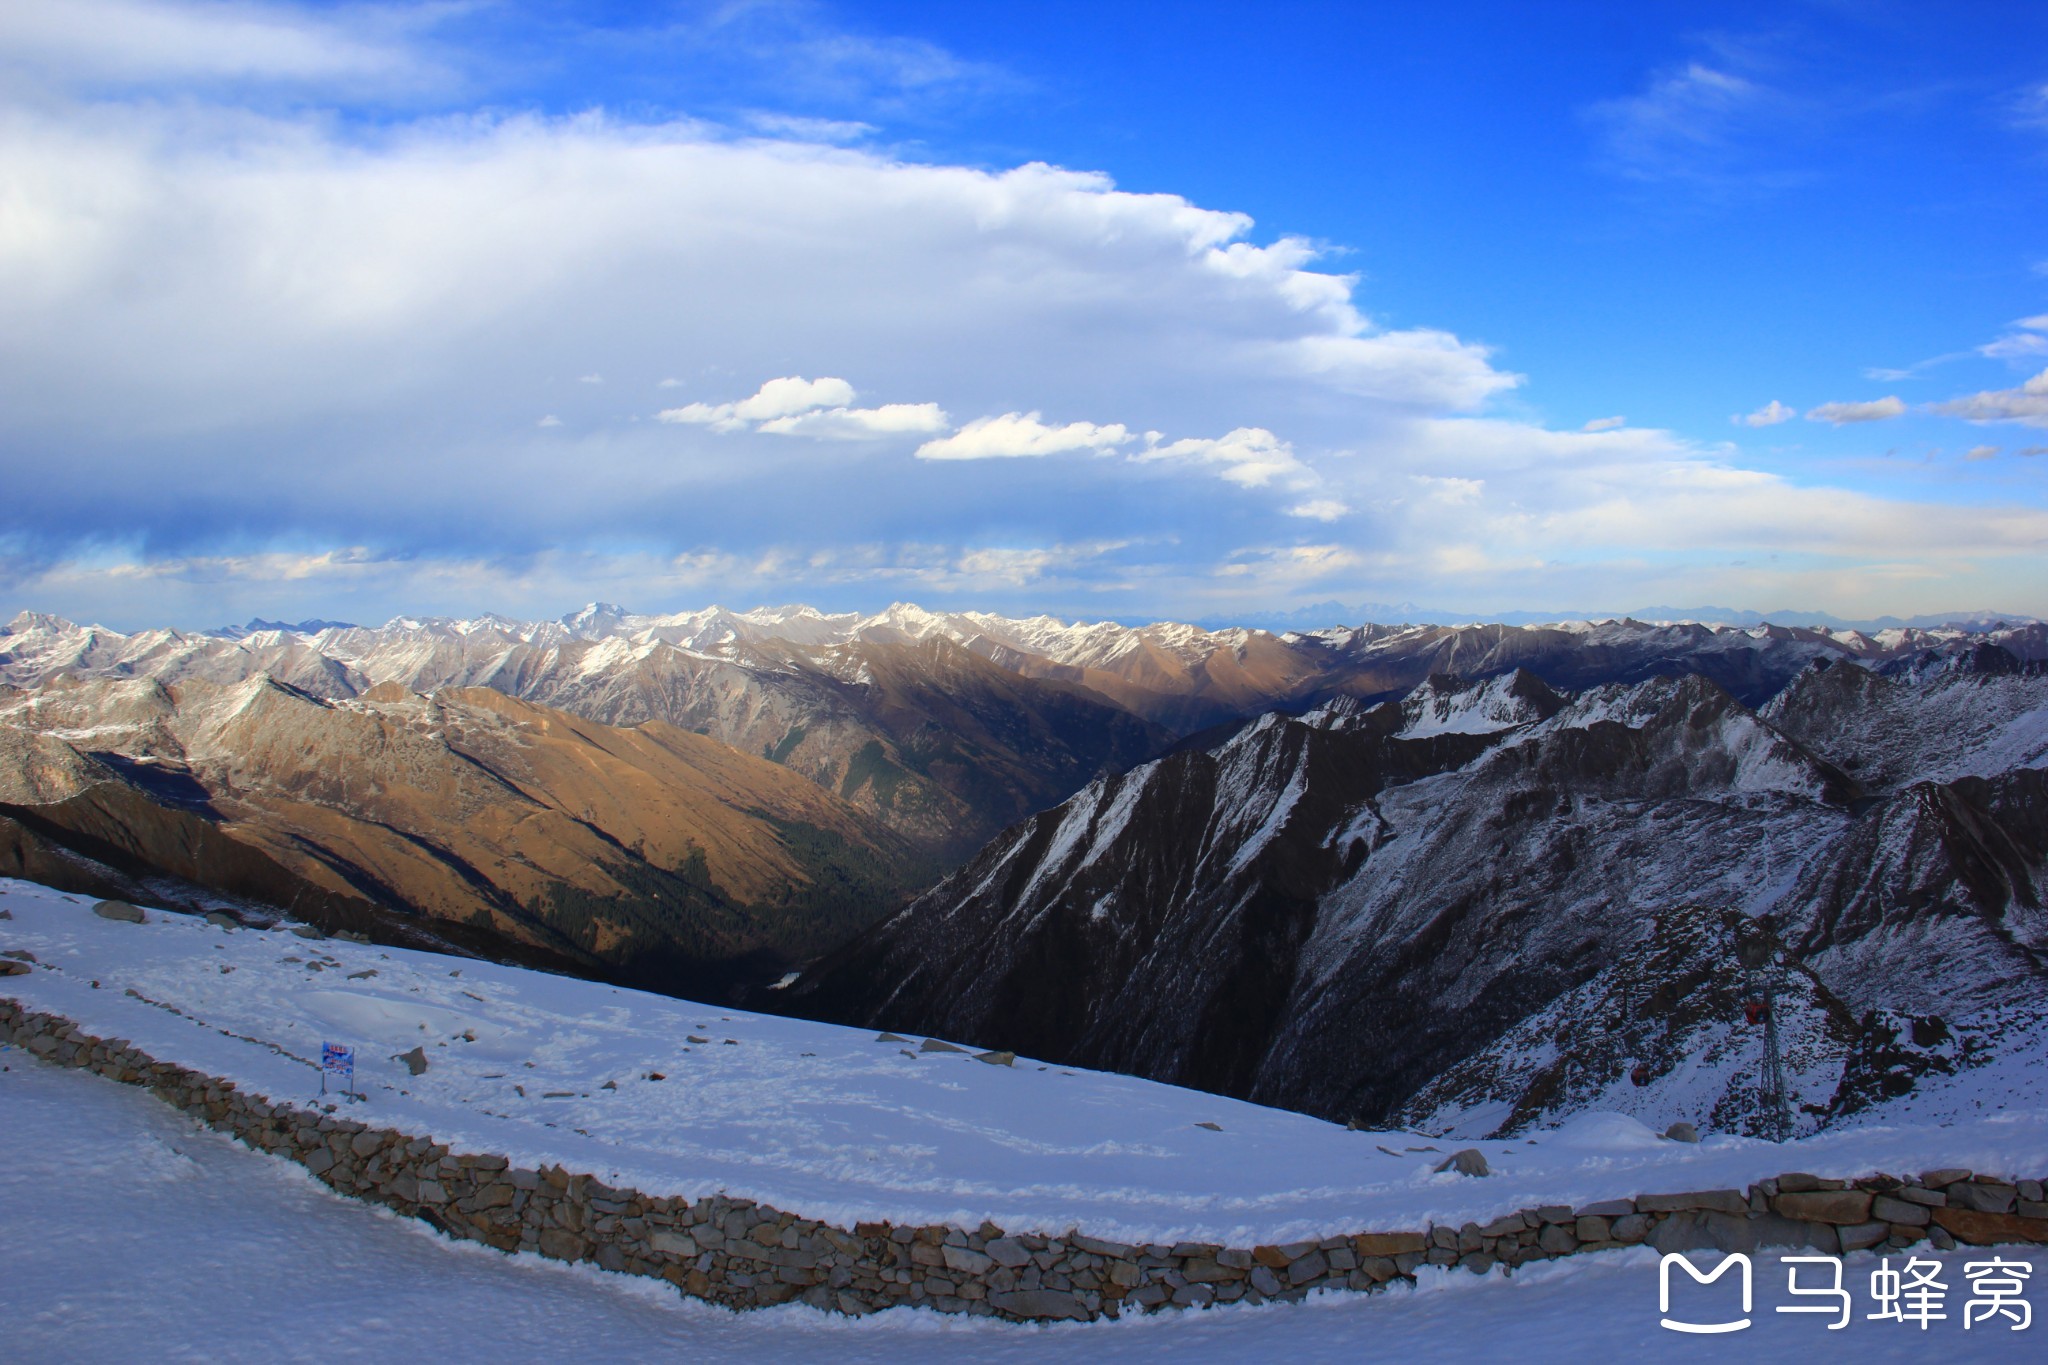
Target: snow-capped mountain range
{"type": "Point", "coordinates": [1375, 872]}
{"type": "Point", "coordinates": [946, 726]}
{"type": "Point", "coordinates": [1491, 902]}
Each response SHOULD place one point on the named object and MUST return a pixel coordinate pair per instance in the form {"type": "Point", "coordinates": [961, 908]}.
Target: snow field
{"type": "Point", "coordinates": [830, 1123]}
{"type": "Point", "coordinates": [130, 1232]}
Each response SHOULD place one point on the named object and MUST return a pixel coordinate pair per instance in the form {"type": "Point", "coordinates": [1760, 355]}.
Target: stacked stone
{"type": "Point", "coordinates": [749, 1255]}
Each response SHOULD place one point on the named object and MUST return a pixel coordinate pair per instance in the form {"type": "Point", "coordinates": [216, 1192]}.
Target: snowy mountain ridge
{"type": "Point", "coordinates": [1338, 913]}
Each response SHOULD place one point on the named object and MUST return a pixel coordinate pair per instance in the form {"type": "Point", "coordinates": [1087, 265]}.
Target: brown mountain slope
{"type": "Point", "coordinates": [649, 853]}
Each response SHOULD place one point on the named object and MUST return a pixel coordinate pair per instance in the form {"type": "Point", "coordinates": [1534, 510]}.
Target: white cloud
{"type": "Point", "coordinates": [137, 41]}
{"type": "Point", "coordinates": [778, 398]}
{"type": "Point", "coordinates": [1017, 566]}
{"type": "Point", "coordinates": [1284, 566]}
{"type": "Point", "coordinates": [797, 128]}
{"type": "Point", "coordinates": [1250, 457]}
{"type": "Point", "coordinates": [1980, 452]}
{"type": "Point", "coordinates": [1769, 415]}
{"type": "Point", "coordinates": [1605, 424]}
{"type": "Point", "coordinates": [1840, 414]}
{"type": "Point", "coordinates": [389, 304]}
{"type": "Point", "coordinates": [2029, 341]}
{"type": "Point", "coordinates": [861, 424]}
{"type": "Point", "coordinates": [590, 379]}
{"type": "Point", "coordinates": [2030, 107]}
{"type": "Point", "coordinates": [1682, 126]}
{"type": "Point", "coordinates": [1320, 509]}
{"type": "Point", "coordinates": [549, 421]}
{"type": "Point", "coordinates": [1425, 369]}
{"type": "Point", "coordinates": [2028, 404]}
{"type": "Point", "coordinates": [1021, 434]}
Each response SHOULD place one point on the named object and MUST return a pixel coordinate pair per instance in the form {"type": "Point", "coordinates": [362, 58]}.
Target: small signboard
{"type": "Point", "coordinates": [337, 1060]}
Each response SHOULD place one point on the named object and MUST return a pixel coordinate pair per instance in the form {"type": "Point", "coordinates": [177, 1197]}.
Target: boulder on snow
{"type": "Point", "coordinates": [934, 1045]}
{"type": "Point", "coordinates": [119, 910]}
{"type": "Point", "coordinates": [221, 919]}
{"type": "Point", "coordinates": [9, 968]}
{"type": "Point", "coordinates": [997, 1058]}
{"type": "Point", "coordinates": [308, 931]}
{"type": "Point", "coordinates": [889, 1038]}
{"type": "Point", "coordinates": [1682, 1132]}
{"type": "Point", "coordinates": [415, 1060]}
{"type": "Point", "coordinates": [1470, 1161]}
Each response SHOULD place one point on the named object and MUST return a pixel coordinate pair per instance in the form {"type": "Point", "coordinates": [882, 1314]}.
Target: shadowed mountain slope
{"type": "Point", "coordinates": [646, 853]}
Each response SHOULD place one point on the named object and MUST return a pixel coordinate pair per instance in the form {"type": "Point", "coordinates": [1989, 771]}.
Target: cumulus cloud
{"type": "Point", "coordinates": [1605, 424]}
{"type": "Point", "coordinates": [2028, 404]}
{"type": "Point", "coordinates": [1017, 435]}
{"type": "Point", "coordinates": [1250, 457]}
{"type": "Point", "coordinates": [1769, 415]}
{"type": "Point", "coordinates": [778, 398]}
{"type": "Point", "coordinates": [818, 408]}
{"type": "Point", "coordinates": [1841, 414]}
{"type": "Point", "coordinates": [193, 284]}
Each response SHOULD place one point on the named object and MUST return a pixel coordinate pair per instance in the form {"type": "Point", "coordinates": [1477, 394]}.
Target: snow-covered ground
{"type": "Point", "coordinates": [129, 1232]}
{"type": "Point", "coordinates": [830, 1123]}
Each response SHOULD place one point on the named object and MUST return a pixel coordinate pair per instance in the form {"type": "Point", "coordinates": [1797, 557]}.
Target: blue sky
{"type": "Point", "coordinates": [1137, 310]}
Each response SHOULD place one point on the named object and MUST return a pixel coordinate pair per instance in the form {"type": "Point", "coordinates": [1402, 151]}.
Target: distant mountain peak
{"type": "Point", "coordinates": [312, 625]}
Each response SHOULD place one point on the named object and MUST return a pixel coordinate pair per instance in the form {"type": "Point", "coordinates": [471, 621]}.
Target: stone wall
{"type": "Point", "coordinates": [748, 1255]}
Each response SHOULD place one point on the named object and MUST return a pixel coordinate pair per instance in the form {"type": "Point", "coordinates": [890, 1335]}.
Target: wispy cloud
{"type": "Point", "coordinates": [861, 424]}
{"type": "Point", "coordinates": [144, 43]}
{"type": "Point", "coordinates": [800, 128]}
{"type": "Point", "coordinates": [1842, 414]}
{"type": "Point", "coordinates": [1685, 125]}
{"type": "Point", "coordinates": [2027, 340]}
{"type": "Point", "coordinates": [2030, 107]}
{"type": "Point", "coordinates": [1605, 424]}
{"type": "Point", "coordinates": [1320, 509]}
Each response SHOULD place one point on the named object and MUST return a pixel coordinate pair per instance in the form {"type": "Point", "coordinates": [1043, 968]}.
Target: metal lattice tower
{"type": "Point", "coordinates": [1761, 957]}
